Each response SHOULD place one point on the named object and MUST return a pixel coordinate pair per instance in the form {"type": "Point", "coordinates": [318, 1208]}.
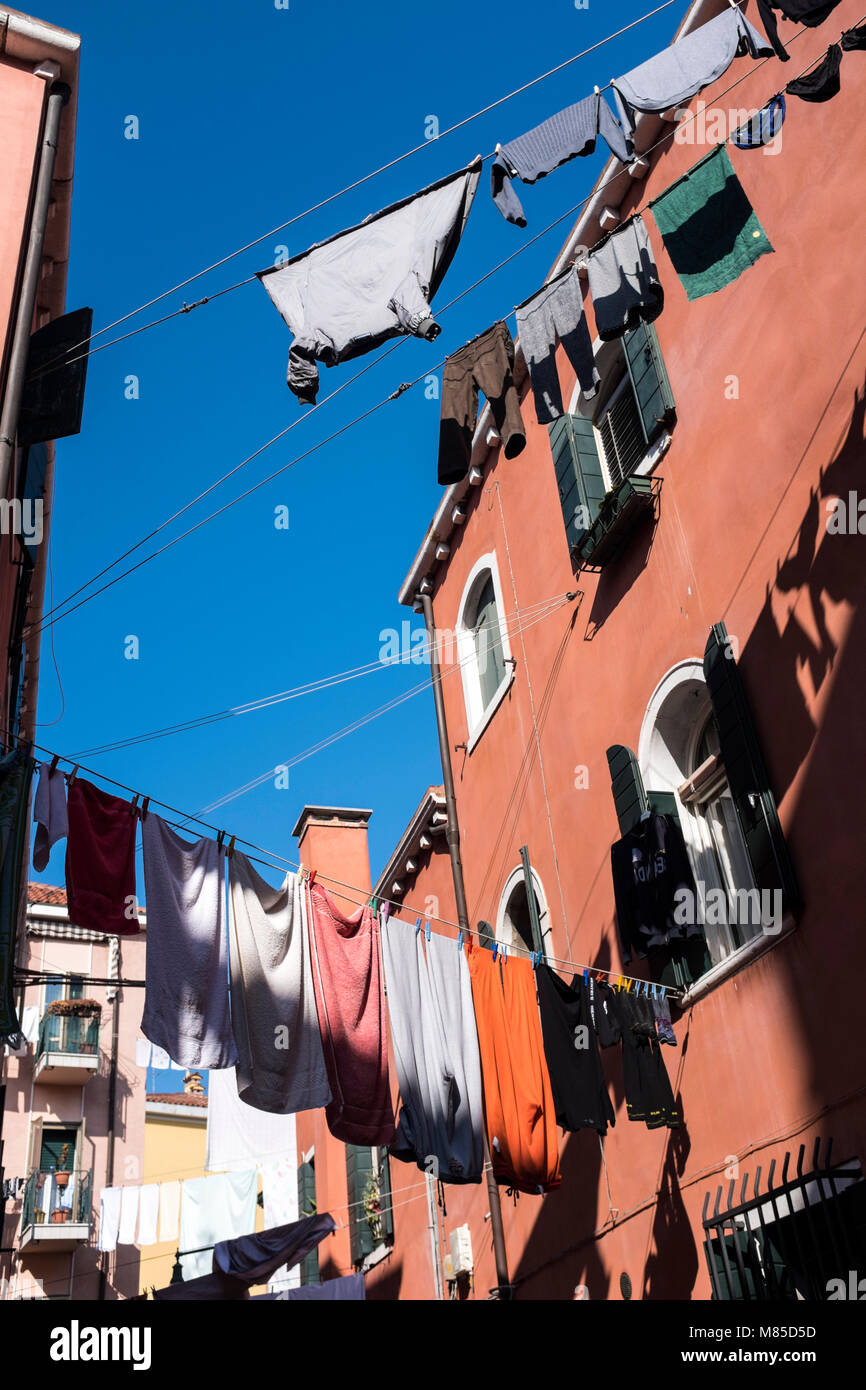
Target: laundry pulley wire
{"type": "Point", "coordinates": [186, 308]}
{"type": "Point", "coordinates": [49, 619]}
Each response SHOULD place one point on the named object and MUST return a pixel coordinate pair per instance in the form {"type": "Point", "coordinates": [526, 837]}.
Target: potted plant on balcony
{"type": "Point", "coordinates": [62, 1176]}
{"type": "Point", "coordinates": [75, 1008]}
{"type": "Point", "coordinates": [373, 1207]}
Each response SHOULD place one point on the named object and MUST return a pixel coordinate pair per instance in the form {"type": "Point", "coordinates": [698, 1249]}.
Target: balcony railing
{"type": "Point", "coordinates": [622, 511]}
{"type": "Point", "coordinates": [68, 1034]}
{"type": "Point", "coordinates": [57, 1199]}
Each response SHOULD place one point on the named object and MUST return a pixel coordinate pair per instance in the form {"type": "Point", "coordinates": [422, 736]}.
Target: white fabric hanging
{"type": "Point", "coordinates": [280, 1202]}
{"type": "Point", "coordinates": [213, 1209]}
{"type": "Point", "coordinates": [169, 1210]}
{"type": "Point", "coordinates": [109, 1217]}
{"type": "Point", "coordinates": [128, 1215]}
{"type": "Point", "coordinates": [148, 1209]}
{"type": "Point", "coordinates": [239, 1136]}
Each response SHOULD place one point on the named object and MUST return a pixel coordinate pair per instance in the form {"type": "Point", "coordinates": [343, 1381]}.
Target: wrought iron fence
{"type": "Point", "coordinates": [801, 1238]}
{"type": "Point", "coordinates": [56, 1198]}
{"type": "Point", "coordinates": [68, 1033]}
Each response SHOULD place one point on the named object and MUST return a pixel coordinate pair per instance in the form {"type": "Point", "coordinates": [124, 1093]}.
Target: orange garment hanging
{"type": "Point", "coordinates": [518, 1102]}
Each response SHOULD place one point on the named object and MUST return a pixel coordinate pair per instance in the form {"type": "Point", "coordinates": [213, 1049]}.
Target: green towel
{"type": "Point", "coordinates": [709, 226]}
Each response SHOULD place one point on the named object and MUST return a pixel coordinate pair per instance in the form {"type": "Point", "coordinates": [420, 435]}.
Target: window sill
{"type": "Point", "coordinates": [653, 457]}
{"type": "Point", "coordinates": [498, 696]}
{"type": "Point", "coordinates": [737, 961]}
{"type": "Point", "coordinates": [374, 1258]}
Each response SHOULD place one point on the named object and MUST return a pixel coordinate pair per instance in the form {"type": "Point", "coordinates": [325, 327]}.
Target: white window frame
{"type": "Point", "coordinates": [503, 931]}
{"type": "Point", "coordinates": [661, 772]}
{"type": "Point", "coordinates": [478, 715]}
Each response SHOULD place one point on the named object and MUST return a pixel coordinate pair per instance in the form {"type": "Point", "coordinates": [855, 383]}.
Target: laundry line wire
{"type": "Point", "coordinates": [425, 144]}
{"type": "Point", "coordinates": [162, 1255]}
{"type": "Point", "coordinates": [427, 684]}
{"type": "Point", "coordinates": [279, 697]}
{"type": "Point", "coordinates": [49, 619]}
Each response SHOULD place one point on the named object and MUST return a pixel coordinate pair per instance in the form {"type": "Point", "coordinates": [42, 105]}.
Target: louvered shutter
{"type": "Point", "coordinates": [747, 774]}
{"type": "Point", "coordinates": [629, 793]}
{"type": "Point", "coordinates": [359, 1169]}
{"type": "Point", "coordinates": [579, 479]}
{"type": "Point", "coordinates": [307, 1207]}
{"type": "Point", "coordinates": [649, 379]}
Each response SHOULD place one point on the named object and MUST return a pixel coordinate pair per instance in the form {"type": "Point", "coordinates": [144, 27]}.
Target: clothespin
{"type": "Point", "coordinates": [374, 904]}
{"type": "Point", "coordinates": [495, 948]}
{"type": "Point", "coordinates": [54, 761]}
{"type": "Point", "coordinates": [221, 834]}
{"type": "Point", "coordinates": [302, 873]}
{"type": "Point", "coordinates": [663, 990]}
{"type": "Point", "coordinates": [231, 848]}
{"type": "Point", "coordinates": [386, 908]}
{"type": "Point", "coordinates": [311, 876]}
{"type": "Point", "coordinates": [144, 805]}
{"type": "Point", "coordinates": [460, 941]}
{"type": "Point", "coordinates": [503, 951]}
{"type": "Point", "coordinates": [427, 931]}
{"type": "Point", "coordinates": [133, 805]}
{"type": "Point", "coordinates": [72, 776]}
{"type": "Point", "coordinates": [417, 925]}
{"type": "Point", "coordinates": [619, 983]}
{"type": "Point", "coordinates": [586, 975]}
{"type": "Point", "coordinates": [535, 957]}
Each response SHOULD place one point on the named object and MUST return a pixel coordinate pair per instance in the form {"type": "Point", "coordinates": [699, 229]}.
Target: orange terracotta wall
{"type": "Point", "coordinates": [770, 1061]}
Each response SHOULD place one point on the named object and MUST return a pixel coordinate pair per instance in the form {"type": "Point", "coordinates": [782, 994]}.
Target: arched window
{"type": "Point", "coordinates": [679, 754]}
{"type": "Point", "coordinates": [482, 645]}
{"type": "Point", "coordinates": [513, 920]}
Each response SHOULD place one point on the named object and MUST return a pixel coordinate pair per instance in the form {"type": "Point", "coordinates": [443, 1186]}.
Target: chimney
{"type": "Point", "coordinates": [192, 1084]}
{"type": "Point", "coordinates": [333, 841]}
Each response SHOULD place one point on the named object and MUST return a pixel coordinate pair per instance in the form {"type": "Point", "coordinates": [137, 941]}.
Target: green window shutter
{"type": "Point", "coordinates": [579, 479]}
{"type": "Point", "coordinates": [629, 793]}
{"type": "Point", "coordinates": [307, 1207]}
{"type": "Point", "coordinates": [748, 780]}
{"type": "Point", "coordinates": [385, 1198]}
{"type": "Point", "coordinates": [359, 1170]}
{"type": "Point", "coordinates": [649, 379]}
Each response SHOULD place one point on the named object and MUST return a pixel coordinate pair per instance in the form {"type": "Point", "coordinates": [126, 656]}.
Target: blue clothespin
{"type": "Point", "coordinates": [586, 975]}
{"type": "Point", "coordinates": [535, 958]}
{"type": "Point", "coordinates": [495, 948]}
{"type": "Point", "coordinates": [417, 925]}
{"type": "Point", "coordinates": [426, 931]}
{"type": "Point", "coordinates": [460, 941]}
{"type": "Point", "coordinates": [662, 988]}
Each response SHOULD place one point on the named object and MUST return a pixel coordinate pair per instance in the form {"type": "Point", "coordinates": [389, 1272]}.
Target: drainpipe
{"type": "Point", "coordinates": [452, 835]}
{"type": "Point", "coordinates": [112, 993]}
{"type": "Point", "coordinates": [58, 95]}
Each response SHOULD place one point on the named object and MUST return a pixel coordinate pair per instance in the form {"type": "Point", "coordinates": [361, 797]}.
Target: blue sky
{"type": "Point", "coordinates": [248, 115]}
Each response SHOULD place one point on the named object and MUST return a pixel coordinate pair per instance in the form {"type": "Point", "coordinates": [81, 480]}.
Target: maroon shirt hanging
{"type": "Point", "coordinates": [100, 861]}
{"type": "Point", "coordinates": [347, 977]}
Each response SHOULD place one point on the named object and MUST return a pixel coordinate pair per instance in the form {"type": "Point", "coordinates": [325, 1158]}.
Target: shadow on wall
{"type": "Point", "coordinates": [787, 663]}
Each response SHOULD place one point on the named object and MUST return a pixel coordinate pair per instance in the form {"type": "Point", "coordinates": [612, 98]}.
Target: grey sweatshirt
{"type": "Point", "coordinates": [276, 1026]}
{"type": "Point", "coordinates": [562, 137]}
{"type": "Point", "coordinates": [436, 1050]}
{"type": "Point", "coordinates": [350, 294]}
{"type": "Point", "coordinates": [675, 75]}
{"type": "Point", "coordinates": [186, 999]}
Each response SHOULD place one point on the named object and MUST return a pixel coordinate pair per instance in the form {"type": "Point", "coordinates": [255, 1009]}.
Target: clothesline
{"type": "Point", "coordinates": [349, 188]}
{"type": "Point", "coordinates": [357, 895]}
{"type": "Point", "coordinates": [313, 687]}
{"type": "Point", "coordinates": [49, 619]}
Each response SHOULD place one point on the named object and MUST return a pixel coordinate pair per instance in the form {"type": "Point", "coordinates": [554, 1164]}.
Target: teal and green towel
{"type": "Point", "coordinates": [709, 226]}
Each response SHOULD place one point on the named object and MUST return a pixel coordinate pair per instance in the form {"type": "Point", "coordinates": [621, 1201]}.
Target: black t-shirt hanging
{"type": "Point", "coordinates": [648, 1093]}
{"type": "Point", "coordinates": [650, 866]}
{"type": "Point", "coordinates": [580, 1092]}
